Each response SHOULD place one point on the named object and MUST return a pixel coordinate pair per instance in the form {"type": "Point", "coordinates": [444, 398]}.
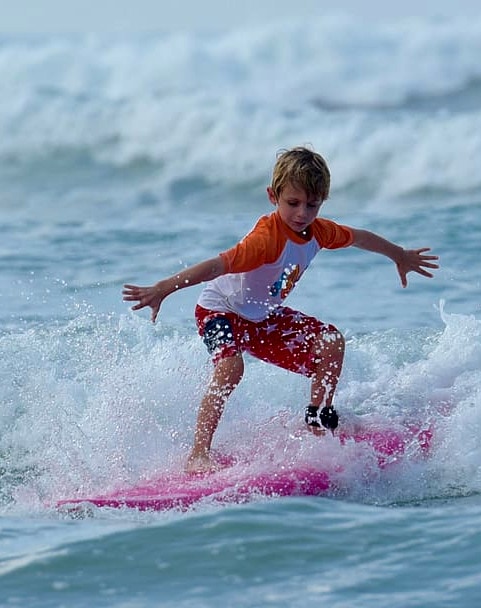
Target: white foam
{"type": "Point", "coordinates": [105, 401]}
{"type": "Point", "coordinates": [219, 107]}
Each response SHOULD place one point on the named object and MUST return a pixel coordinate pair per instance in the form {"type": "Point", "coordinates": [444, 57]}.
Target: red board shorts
{"type": "Point", "coordinates": [285, 338]}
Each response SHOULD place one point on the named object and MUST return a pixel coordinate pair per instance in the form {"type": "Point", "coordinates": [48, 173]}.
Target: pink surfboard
{"type": "Point", "coordinates": [235, 483]}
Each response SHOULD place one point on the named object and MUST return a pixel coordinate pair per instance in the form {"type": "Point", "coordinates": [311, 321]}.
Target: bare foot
{"type": "Point", "coordinates": [200, 464]}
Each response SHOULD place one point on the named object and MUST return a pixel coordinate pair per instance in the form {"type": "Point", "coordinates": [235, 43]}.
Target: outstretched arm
{"type": "Point", "coordinates": [154, 295]}
{"type": "Point", "coordinates": [406, 260]}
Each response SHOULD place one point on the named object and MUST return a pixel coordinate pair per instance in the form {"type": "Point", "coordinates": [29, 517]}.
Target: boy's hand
{"type": "Point", "coordinates": [154, 295]}
{"type": "Point", "coordinates": [415, 260]}
{"type": "Point", "coordinates": [145, 296]}
{"type": "Point", "coordinates": [406, 260]}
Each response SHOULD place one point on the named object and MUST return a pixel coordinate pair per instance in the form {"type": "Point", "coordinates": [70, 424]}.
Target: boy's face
{"type": "Point", "coordinates": [296, 209]}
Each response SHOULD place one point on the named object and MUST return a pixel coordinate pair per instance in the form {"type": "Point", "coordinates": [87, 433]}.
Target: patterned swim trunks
{"type": "Point", "coordinates": [285, 338]}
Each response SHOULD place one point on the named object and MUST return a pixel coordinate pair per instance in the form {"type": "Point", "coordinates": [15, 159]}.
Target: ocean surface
{"type": "Point", "coordinates": [126, 158]}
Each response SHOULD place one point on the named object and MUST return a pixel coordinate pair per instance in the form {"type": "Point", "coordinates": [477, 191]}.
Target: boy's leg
{"type": "Point", "coordinates": [305, 345]}
{"type": "Point", "coordinates": [227, 374]}
{"type": "Point", "coordinates": [328, 354]}
{"type": "Point", "coordinates": [328, 350]}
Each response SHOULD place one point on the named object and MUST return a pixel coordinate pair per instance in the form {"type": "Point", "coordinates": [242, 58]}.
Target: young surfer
{"type": "Point", "coordinates": [241, 308]}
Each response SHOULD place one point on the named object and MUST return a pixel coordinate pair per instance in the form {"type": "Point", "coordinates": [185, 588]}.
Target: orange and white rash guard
{"type": "Point", "coordinates": [265, 265]}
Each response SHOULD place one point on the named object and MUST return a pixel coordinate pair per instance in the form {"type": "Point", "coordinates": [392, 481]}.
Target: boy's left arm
{"type": "Point", "coordinates": [406, 260]}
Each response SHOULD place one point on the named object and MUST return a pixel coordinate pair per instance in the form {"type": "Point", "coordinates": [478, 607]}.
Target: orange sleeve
{"type": "Point", "coordinates": [330, 235]}
{"type": "Point", "coordinates": [262, 245]}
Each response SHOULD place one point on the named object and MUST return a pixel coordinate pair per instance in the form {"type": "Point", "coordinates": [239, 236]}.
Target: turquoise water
{"type": "Point", "coordinates": [295, 552]}
{"type": "Point", "coordinates": [111, 174]}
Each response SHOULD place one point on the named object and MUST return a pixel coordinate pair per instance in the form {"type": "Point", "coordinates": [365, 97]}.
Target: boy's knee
{"type": "Point", "coordinates": [332, 336]}
{"type": "Point", "coordinates": [229, 370]}
{"type": "Point", "coordinates": [331, 340]}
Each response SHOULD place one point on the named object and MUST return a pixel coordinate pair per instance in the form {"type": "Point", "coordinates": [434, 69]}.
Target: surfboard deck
{"type": "Point", "coordinates": [182, 490]}
{"type": "Point", "coordinates": [236, 483]}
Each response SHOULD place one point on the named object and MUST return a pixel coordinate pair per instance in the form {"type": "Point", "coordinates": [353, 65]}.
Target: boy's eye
{"type": "Point", "coordinates": [310, 205]}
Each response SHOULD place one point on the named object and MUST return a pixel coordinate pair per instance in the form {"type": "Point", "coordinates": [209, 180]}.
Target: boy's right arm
{"type": "Point", "coordinates": [154, 295]}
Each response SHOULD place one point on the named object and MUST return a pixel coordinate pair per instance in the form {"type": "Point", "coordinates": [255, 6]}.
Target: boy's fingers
{"type": "Point", "coordinates": [423, 250]}
{"type": "Point", "coordinates": [132, 290]}
{"type": "Point", "coordinates": [425, 273]}
{"type": "Point", "coordinates": [131, 298]}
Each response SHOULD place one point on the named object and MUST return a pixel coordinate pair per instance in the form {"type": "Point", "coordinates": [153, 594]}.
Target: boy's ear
{"type": "Point", "coordinates": [271, 195]}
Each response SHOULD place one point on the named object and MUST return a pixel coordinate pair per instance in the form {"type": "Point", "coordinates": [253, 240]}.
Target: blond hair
{"type": "Point", "coordinates": [302, 168]}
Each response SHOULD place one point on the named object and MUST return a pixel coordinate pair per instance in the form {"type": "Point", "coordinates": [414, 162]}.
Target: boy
{"type": "Point", "coordinates": [241, 307]}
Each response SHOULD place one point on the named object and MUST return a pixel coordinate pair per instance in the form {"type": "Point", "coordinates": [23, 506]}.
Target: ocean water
{"type": "Point", "coordinates": [123, 159]}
